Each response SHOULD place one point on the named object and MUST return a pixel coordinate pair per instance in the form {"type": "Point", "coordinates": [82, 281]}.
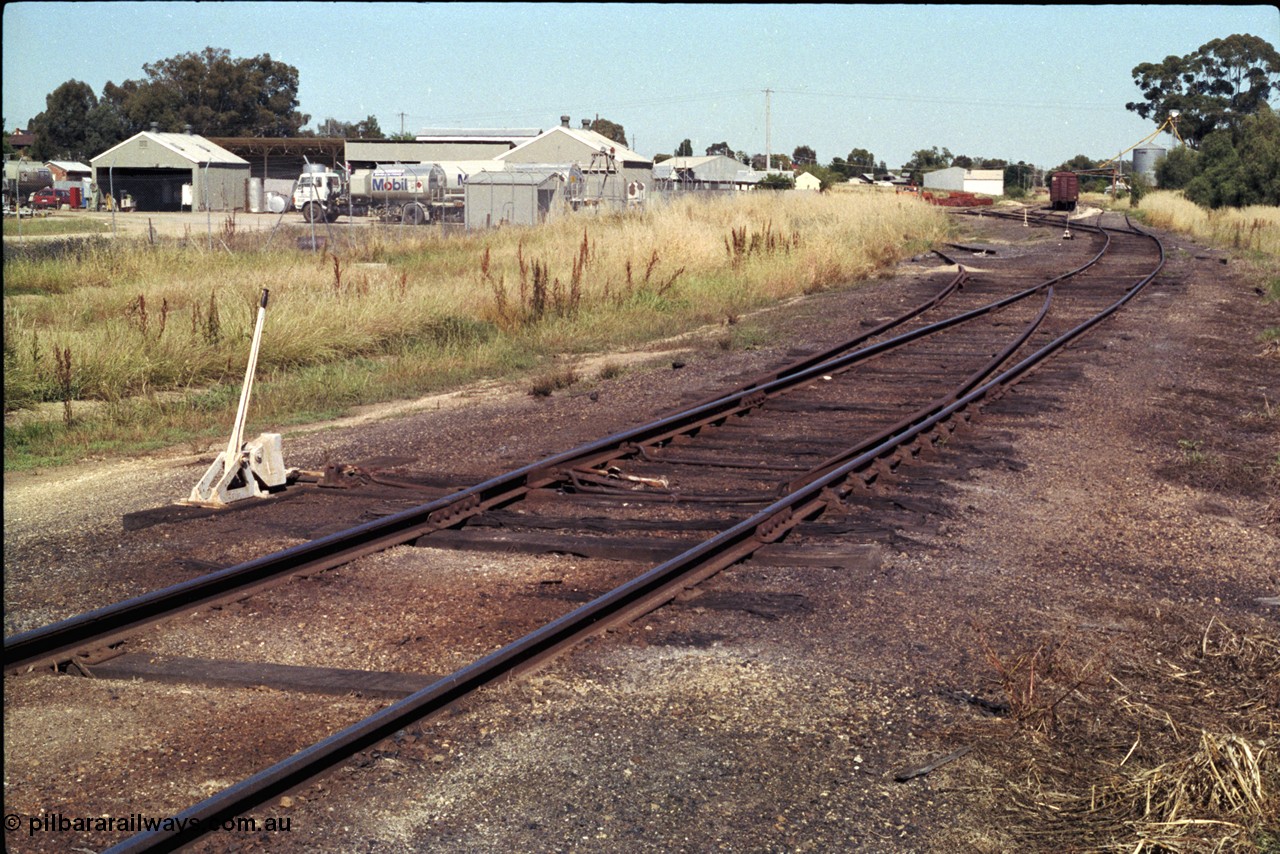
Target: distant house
{"type": "Point", "coordinates": [20, 140]}
{"type": "Point", "coordinates": [615, 175]}
{"type": "Point", "coordinates": [808, 182]}
{"type": "Point", "coordinates": [988, 182]}
{"type": "Point", "coordinates": [68, 170]}
{"type": "Point", "coordinates": [169, 171]}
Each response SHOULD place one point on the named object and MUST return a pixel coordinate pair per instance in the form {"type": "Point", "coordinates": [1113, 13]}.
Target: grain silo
{"type": "Point", "coordinates": [1146, 158]}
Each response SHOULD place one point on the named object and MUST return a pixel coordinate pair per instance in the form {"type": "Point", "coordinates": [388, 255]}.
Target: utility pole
{"type": "Point", "coordinates": [768, 156]}
{"type": "Point", "coordinates": [402, 124]}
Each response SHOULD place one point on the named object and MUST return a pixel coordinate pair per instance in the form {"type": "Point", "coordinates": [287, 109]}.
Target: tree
{"type": "Point", "coordinates": [366, 129]}
{"type": "Point", "coordinates": [1177, 169]}
{"type": "Point", "coordinates": [214, 94]}
{"type": "Point", "coordinates": [685, 149]}
{"type": "Point", "coordinates": [1018, 179]}
{"type": "Point", "coordinates": [927, 160]}
{"type": "Point", "coordinates": [720, 148]}
{"type": "Point", "coordinates": [1260, 155]}
{"type": "Point", "coordinates": [62, 130]}
{"type": "Point", "coordinates": [1213, 88]}
{"type": "Point", "coordinates": [860, 160]}
{"type": "Point", "coordinates": [1081, 163]}
{"type": "Point", "coordinates": [930, 158]}
{"type": "Point", "coordinates": [776, 161]}
{"type": "Point", "coordinates": [1249, 174]}
{"type": "Point", "coordinates": [804, 156]}
{"type": "Point", "coordinates": [775, 181]}
{"type": "Point", "coordinates": [606, 128]}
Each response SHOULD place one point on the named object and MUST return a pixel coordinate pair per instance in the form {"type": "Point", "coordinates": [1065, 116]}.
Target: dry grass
{"type": "Point", "coordinates": [1255, 228]}
{"type": "Point", "coordinates": [1176, 751]}
{"type": "Point", "coordinates": [387, 313]}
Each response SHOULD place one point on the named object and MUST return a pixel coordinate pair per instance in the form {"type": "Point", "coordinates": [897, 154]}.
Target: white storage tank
{"type": "Point", "coordinates": [255, 195]}
{"type": "Point", "coordinates": [400, 181]}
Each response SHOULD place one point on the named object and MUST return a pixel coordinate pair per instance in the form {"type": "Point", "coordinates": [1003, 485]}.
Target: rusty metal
{"type": "Point", "coordinates": [646, 591]}
{"type": "Point", "coordinates": [57, 642]}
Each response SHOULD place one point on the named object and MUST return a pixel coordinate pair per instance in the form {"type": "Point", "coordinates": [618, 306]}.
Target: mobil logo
{"type": "Point", "coordinates": [395, 184]}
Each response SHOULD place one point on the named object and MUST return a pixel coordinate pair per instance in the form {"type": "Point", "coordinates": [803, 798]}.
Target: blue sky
{"type": "Point", "coordinates": [1033, 83]}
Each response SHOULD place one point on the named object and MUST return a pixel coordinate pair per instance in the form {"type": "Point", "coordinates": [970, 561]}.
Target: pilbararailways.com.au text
{"type": "Point", "coordinates": [138, 823]}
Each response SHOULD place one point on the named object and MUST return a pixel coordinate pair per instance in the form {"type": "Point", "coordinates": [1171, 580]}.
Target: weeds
{"type": "Point", "coordinates": [1255, 228]}
{"type": "Point", "coordinates": [740, 244]}
{"type": "Point", "coordinates": [610, 370]}
{"type": "Point", "coordinates": [1195, 767]}
{"type": "Point", "coordinates": [553, 381]}
{"type": "Point", "coordinates": [1035, 682]}
{"type": "Point", "coordinates": [423, 321]}
{"type": "Point", "coordinates": [1191, 453]}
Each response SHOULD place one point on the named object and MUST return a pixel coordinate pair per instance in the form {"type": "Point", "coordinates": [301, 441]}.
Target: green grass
{"type": "Point", "coordinates": [58, 223]}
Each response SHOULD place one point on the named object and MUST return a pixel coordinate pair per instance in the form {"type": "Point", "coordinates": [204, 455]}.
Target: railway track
{"type": "Point", "coordinates": [693, 492]}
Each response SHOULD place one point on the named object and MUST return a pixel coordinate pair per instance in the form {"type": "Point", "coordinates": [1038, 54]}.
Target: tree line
{"type": "Point", "coordinates": [209, 93]}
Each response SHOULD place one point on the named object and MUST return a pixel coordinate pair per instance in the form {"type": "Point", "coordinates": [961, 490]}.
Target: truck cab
{"type": "Point", "coordinates": [317, 195]}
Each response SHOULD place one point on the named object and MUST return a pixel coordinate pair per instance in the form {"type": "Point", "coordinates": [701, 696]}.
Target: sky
{"type": "Point", "coordinates": [1038, 84]}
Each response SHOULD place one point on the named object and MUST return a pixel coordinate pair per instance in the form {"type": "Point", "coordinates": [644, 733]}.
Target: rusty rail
{"type": "Point", "coordinates": [635, 597]}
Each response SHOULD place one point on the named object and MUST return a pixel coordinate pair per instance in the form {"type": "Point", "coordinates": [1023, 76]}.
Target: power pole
{"type": "Point", "coordinates": [768, 155]}
{"type": "Point", "coordinates": [402, 124]}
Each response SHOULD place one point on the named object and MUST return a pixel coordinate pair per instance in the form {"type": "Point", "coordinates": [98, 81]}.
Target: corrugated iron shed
{"type": "Point", "coordinates": [170, 171]}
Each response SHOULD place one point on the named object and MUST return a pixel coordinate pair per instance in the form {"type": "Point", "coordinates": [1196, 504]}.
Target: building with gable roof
{"type": "Point", "coordinates": [615, 176]}
{"type": "Point", "coordinates": [714, 172]}
{"type": "Point", "coordinates": [170, 171]}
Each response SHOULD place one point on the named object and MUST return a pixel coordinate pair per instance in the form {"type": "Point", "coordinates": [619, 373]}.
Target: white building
{"type": "Point", "coordinates": [986, 182]}
{"type": "Point", "coordinates": [807, 181]}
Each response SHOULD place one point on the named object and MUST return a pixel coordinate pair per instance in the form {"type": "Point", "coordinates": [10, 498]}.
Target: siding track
{"type": "Point", "coordinates": [695, 491]}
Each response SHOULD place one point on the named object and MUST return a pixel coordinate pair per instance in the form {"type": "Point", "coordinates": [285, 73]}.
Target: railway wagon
{"type": "Point", "coordinates": [1064, 191]}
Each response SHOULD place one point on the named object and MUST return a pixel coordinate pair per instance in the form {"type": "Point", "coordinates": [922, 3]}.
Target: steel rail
{"type": "Point", "coordinates": [635, 597]}
{"type": "Point", "coordinates": [59, 642]}
{"type": "Point", "coordinates": [812, 472]}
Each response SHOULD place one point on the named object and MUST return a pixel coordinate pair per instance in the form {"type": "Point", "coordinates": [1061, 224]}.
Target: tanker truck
{"type": "Point", "coordinates": [409, 193]}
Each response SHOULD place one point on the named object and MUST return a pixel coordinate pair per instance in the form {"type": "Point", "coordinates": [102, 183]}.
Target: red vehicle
{"type": "Point", "coordinates": [49, 198]}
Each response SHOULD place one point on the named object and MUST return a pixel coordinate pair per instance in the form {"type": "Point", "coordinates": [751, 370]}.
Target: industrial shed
{"type": "Point", "coordinates": [988, 182]}
{"type": "Point", "coordinates": [526, 197]}
{"type": "Point", "coordinates": [436, 144]}
{"type": "Point", "coordinates": [170, 171]}
{"type": "Point", "coordinates": [711, 173]}
{"type": "Point", "coordinates": [613, 172]}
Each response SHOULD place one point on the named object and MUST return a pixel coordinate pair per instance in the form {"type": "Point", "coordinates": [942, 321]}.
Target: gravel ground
{"type": "Point", "coordinates": [1117, 552]}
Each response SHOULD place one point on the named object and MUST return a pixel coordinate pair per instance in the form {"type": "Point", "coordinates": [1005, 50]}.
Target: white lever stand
{"type": "Point", "coordinates": [250, 469]}
{"type": "Point", "coordinates": [251, 473]}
